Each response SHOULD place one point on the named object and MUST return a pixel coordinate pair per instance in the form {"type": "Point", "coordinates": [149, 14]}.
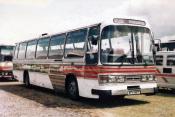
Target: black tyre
{"type": "Point", "coordinates": [72, 89]}
{"type": "Point", "coordinates": [26, 80]}
{"type": "Point", "coordinates": [112, 98]}
{"type": "Point", "coordinates": [119, 97]}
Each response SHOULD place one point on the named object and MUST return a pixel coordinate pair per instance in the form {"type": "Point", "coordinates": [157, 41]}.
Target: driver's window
{"type": "Point", "coordinates": [92, 49]}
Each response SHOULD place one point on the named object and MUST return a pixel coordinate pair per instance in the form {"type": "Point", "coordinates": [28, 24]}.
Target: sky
{"type": "Point", "coordinates": [26, 19]}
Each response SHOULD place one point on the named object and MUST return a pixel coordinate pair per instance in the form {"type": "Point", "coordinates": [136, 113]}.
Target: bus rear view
{"type": "Point", "coordinates": [6, 65]}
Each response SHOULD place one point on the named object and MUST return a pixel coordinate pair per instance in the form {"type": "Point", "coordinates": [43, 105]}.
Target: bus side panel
{"type": "Point", "coordinates": [39, 74]}
{"type": "Point", "coordinates": [166, 81]}
{"type": "Point", "coordinates": [85, 86]}
{"type": "Point", "coordinates": [57, 77]}
{"type": "Point", "coordinates": [40, 79]}
{"type": "Point", "coordinates": [18, 72]}
{"type": "Point", "coordinates": [88, 81]}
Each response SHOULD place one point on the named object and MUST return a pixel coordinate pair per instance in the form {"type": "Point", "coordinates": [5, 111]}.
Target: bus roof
{"type": "Point", "coordinates": [63, 32]}
{"type": "Point", "coordinates": [121, 21]}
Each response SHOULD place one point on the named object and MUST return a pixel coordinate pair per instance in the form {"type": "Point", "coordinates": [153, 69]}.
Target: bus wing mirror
{"type": "Point", "coordinates": [94, 39]}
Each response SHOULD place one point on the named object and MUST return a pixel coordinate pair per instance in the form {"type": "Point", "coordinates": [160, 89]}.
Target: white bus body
{"type": "Point", "coordinates": [165, 62]}
{"type": "Point", "coordinates": [6, 65]}
{"type": "Point", "coordinates": [108, 58]}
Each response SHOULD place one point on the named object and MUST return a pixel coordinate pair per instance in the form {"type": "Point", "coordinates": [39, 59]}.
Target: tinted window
{"type": "Point", "coordinates": [171, 60]}
{"type": "Point", "coordinates": [159, 60]}
{"type": "Point", "coordinates": [75, 43]}
{"type": "Point", "coordinates": [56, 47]}
{"type": "Point", "coordinates": [31, 47]}
{"type": "Point", "coordinates": [22, 49]}
{"type": "Point", "coordinates": [42, 48]}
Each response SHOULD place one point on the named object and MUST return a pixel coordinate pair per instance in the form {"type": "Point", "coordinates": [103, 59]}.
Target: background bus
{"type": "Point", "coordinates": [113, 58]}
{"type": "Point", "coordinates": [165, 46]}
{"type": "Point", "coordinates": [165, 62]}
{"type": "Point", "coordinates": [6, 65]}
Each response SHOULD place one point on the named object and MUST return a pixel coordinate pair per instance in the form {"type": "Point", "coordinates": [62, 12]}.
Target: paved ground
{"type": "Point", "coordinates": [18, 101]}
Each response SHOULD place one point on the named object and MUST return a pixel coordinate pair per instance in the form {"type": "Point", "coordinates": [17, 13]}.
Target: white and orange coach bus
{"type": "Point", "coordinates": [113, 58]}
{"type": "Point", "coordinates": [6, 65]}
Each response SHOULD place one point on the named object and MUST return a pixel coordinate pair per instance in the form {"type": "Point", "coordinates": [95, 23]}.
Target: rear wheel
{"type": "Point", "coordinates": [72, 89]}
{"type": "Point", "coordinates": [26, 80]}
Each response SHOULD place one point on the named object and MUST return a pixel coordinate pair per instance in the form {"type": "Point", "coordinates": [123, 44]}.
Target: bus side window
{"type": "Point", "coordinates": [56, 46]}
{"type": "Point", "coordinates": [42, 48]}
{"type": "Point", "coordinates": [75, 43]}
{"type": "Point", "coordinates": [170, 60]}
{"type": "Point", "coordinates": [31, 47]}
{"type": "Point", "coordinates": [15, 54]}
{"type": "Point", "coordinates": [22, 50]}
{"type": "Point", "coordinates": [92, 49]}
{"type": "Point", "coordinates": [14, 50]}
{"type": "Point", "coordinates": [159, 60]}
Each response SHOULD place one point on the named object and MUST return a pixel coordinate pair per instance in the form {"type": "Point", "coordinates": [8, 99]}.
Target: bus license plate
{"type": "Point", "coordinates": [134, 92]}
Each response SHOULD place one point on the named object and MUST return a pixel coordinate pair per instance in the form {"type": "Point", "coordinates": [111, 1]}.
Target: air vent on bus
{"type": "Point", "coordinates": [167, 70]}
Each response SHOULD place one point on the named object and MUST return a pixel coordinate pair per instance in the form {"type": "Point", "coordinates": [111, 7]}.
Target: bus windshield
{"type": "Point", "coordinates": [6, 53]}
{"type": "Point", "coordinates": [6, 50]}
{"type": "Point", "coordinates": [126, 45]}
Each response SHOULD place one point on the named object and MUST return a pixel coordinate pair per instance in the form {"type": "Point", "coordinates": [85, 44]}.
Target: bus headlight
{"type": "Point", "coordinates": [103, 79]}
{"type": "Point", "coordinates": [121, 79]}
{"type": "Point", "coordinates": [148, 78]}
{"type": "Point", "coordinates": [111, 79]}
{"type": "Point", "coordinates": [144, 78]}
{"type": "Point", "coordinates": [151, 78]}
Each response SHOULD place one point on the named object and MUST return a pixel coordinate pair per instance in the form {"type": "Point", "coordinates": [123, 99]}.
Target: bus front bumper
{"type": "Point", "coordinates": [6, 74]}
{"type": "Point", "coordinates": [128, 90]}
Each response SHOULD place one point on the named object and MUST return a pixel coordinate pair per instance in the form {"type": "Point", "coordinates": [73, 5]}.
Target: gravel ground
{"type": "Point", "coordinates": [18, 101]}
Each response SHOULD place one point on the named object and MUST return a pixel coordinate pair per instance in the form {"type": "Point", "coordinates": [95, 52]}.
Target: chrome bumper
{"type": "Point", "coordinates": [122, 92]}
{"type": "Point", "coordinates": [125, 89]}
{"type": "Point", "coordinates": [142, 91]}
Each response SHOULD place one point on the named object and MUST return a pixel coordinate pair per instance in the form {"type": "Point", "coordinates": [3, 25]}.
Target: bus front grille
{"type": "Point", "coordinates": [133, 78]}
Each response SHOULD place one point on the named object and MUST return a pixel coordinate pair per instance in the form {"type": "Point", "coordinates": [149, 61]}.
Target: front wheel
{"type": "Point", "coordinates": [72, 89]}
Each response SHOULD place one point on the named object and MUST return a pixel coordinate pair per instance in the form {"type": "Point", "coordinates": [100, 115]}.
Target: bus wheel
{"type": "Point", "coordinates": [72, 89]}
{"type": "Point", "coordinates": [26, 80]}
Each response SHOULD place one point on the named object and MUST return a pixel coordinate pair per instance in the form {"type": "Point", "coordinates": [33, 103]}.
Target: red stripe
{"type": "Point", "coordinates": [4, 68]}
{"type": "Point", "coordinates": [112, 67]}
{"type": "Point", "coordinates": [93, 71]}
{"type": "Point", "coordinates": [119, 71]}
{"type": "Point", "coordinates": [166, 75]}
